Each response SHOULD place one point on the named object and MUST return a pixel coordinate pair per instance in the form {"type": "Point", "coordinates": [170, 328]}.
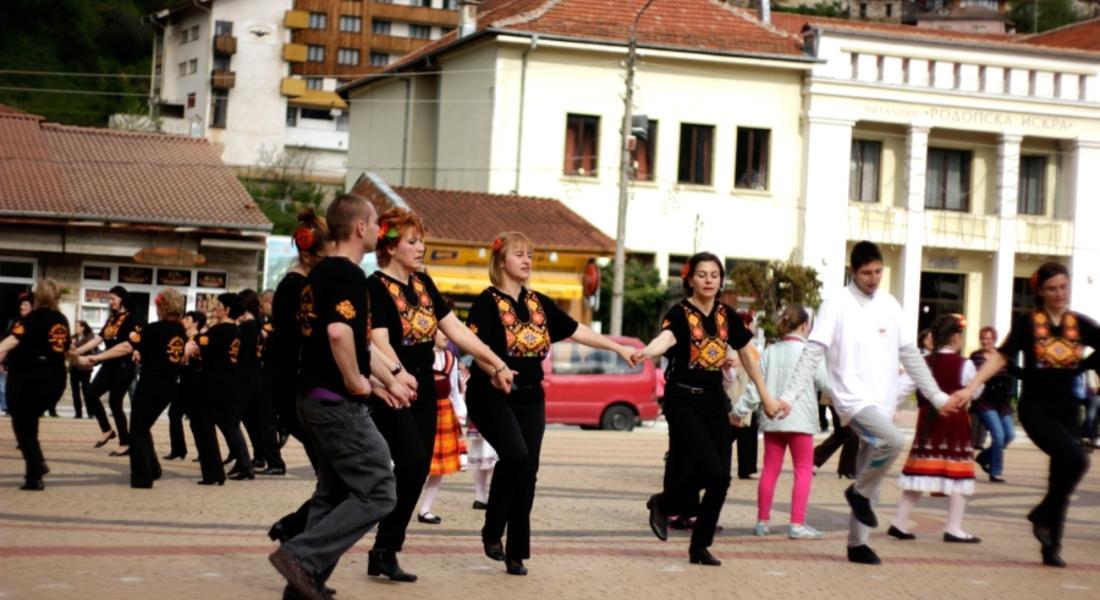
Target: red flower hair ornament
{"type": "Point", "coordinates": [159, 299]}
{"type": "Point", "coordinates": [388, 232]}
{"type": "Point", "coordinates": [498, 245]}
{"type": "Point", "coordinates": [685, 271]}
{"type": "Point", "coordinates": [303, 238]}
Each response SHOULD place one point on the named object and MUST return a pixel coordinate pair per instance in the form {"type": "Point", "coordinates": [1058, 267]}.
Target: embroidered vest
{"type": "Point", "coordinates": [524, 339]}
{"type": "Point", "coordinates": [708, 352]}
{"type": "Point", "coordinates": [110, 330]}
{"type": "Point", "coordinates": [418, 323]}
{"type": "Point", "coordinates": [1063, 352]}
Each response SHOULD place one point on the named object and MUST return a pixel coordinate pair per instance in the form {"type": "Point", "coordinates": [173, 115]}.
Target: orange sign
{"type": "Point", "coordinates": [169, 257]}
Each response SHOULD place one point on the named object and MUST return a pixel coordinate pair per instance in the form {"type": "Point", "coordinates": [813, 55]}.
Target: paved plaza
{"type": "Point", "coordinates": [90, 536]}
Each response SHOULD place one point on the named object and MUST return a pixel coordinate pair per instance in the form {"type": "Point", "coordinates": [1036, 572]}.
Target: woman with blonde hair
{"type": "Point", "coordinates": [795, 431]}
{"type": "Point", "coordinates": [519, 324]}
{"type": "Point", "coordinates": [35, 352]}
{"type": "Point", "coordinates": [160, 348]}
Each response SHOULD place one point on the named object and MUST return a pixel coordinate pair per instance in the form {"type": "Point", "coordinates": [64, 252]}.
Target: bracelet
{"type": "Point", "coordinates": [497, 370]}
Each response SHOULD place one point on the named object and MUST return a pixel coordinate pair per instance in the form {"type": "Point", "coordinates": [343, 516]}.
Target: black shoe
{"type": "Point", "coordinates": [514, 566]}
{"type": "Point", "coordinates": [282, 439]}
{"type": "Point", "coordinates": [494, 550]}
{"type": "Point", "coordinates": [174, 456]}
{"type": "Point", "coordinates": [296, 576]}
{"type": "Point", "coordinates": [702, 556]}
{"type": "Point", "coordinates": [45, 468]}
{"type": "Point", "coordinates": [996, 479]}
{"type": "Point", "coordinates": [103, 442]}
{"type": "Point", "coordinates": [277, 533]}
{"type": "Point", "coordinates": [984, 464]}
{"type": "Point", "coordinates": [217, 482]}
{"type": "Point", "coordinates": [894, 532]}
{"type": "Point", "coordinates": [681, 523]}
{"type": "Point", "coordinates": [479, 505]}
{"type": "Point", "coordinates": [429, 518]}
{"type": "Point", "coordinates": [258, 463]}
{"type": "Point", "coordinates": [241, 475]}
{"type": "Point", "coordinates": [861, 507]}
{"type": "Point", "coordinates": [947, 537]}
{"type": "Point", "coordinates": [658, 521]}
{"type": "Point", "coordinates": [1042, 532]}
{"type": "Point", "coordinates": [33, 486]}
{"type": "Point", "coordinates": [273, 471]}
{"type": "Point", "coordinates": [384, 562]}
{"type": "Point", "coordinates": [125, 452]}
{"type": "Point", "coordinates": [845, 475]}
{"type": "Point", "coordinates": [863, 555]}
{"type": "Point", "coordinates": [1051, 557]}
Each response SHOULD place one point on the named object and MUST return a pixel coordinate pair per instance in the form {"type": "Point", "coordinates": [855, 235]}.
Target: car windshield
{"type": "Point", "coordinates": [571, 358]}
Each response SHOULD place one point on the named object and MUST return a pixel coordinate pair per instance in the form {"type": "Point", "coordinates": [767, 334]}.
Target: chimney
{"type": "Point", "coordinates": [764, 11]}
{"type": "Point", "coordinates": [467, 17]}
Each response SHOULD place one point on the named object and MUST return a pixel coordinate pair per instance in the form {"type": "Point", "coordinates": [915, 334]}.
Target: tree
{"type": "Point", "coordinates": [1051, 14]}
{"type": "Point", "coordinates": [280, 189]}
{"type": "Point", "coordinates": [773, 286]}
{"type": "Point", "coordinates": [644, 299]}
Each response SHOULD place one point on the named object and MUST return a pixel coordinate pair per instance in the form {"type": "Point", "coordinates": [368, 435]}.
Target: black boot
{"type": "Point", "coordinates": [384, 562]}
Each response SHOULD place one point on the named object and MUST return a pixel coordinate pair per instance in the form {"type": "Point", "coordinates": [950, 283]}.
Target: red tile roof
{"type": "Point", "coordinates": [478, 217]}
{"type": "Point", "coordinates": [61, 172]}
{"type": "Point", "coordinates": [1084, 36]}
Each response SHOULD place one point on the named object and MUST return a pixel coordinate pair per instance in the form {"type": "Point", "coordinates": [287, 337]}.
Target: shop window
{"type": "Point", "coordinates": [1029, 196]}
{"type": "Point", "coordinates": [863, 173]}
{"type": "Point", "coordinates": [947, 185]}
{"type": "Point", "coordinates": [16, 277]}
{"type": "Point", "coordinates": [940, 294]}
{"type": "Point", "coordinates": [696, 154]}
{"type": "Point", "coordinates": [581, 144]}
{"type": "Point", "coordinates": [752, 158]}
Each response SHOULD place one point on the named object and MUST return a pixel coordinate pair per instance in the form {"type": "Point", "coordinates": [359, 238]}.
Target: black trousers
{"type": "Point", "coordinates": [514, 425]}
{"type": "Point", "coordinates": [177, 410]}
{"type": "Point", "coordinates": [228, 411]}
{"type": "Point", "coordinates": [27, 398]}
{"type": "Point", "coordinates": [1054, 428]}
{"type": "Point", "coordinates": [113, 379]}
{"type": "Point", "coordinates": [699, 432]}
{"type": "Point", "coordinates": [748, 442]}
{"type": "Point", "coordinates": [155, 391]}
{"type": "Point", "coordinates": [846, 441]}
{"type": "Point", "coordinates": [204, 418]}
{"type": "Point", "coordinates": [265, 440]}
{"type": "Point", "coordinates": [410, 434]}
{"type": "Point", "coordinates": [249, 404]}
{"type": "Point", "coordinates": [79, 380]}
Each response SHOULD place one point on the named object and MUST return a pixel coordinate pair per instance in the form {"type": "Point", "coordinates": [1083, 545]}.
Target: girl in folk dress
{"type": "Point", "coordinates": [449, 445]}
{"type": "Point", "coordinates": [941, 458]}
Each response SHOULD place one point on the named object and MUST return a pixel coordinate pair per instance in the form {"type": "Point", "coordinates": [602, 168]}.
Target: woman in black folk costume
{"type": "Point", "coordinates": [159, 348]}
{"type": "Point", "coordinates": [1052, 339]}
{"type": "Point", "coordinates": [35, 352]}
{"type": "Point", "coordinates": [114, 376]}
{"type": "Point", "coordinates": [519, 324]}
{"type": "Point", "coordinates": [249, 382]}
{"type": "Point", "coordinates": [406, 311]}
{"type": "Point", "coordinates": [696, 335]}
{"type": "Point", "coordinates": [283, 350]}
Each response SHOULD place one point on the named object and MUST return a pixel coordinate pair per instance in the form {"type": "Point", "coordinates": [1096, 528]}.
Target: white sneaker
{"type": "Point", "coordinates": [761, 529]}
{"type": "Point", "coordinates": [803, 532]}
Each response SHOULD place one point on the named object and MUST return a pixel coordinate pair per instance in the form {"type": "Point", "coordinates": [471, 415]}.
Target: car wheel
{"type": "Point", "coordinates": [618, 418]}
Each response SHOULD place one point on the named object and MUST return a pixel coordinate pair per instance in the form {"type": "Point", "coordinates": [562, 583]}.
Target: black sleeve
{"type": "Point", "coordinates": [127, 327]}
{"type": "Point", "coordinates": [739, 335]}
{"type": "Point", "coordinates": [1019, 338]}
{"type": "Point", "coordinates": [484, 321]}
{"type": "Point", "coordinates": [284, 309]}
{"type": "Point", "coordinates": [383, 311]}
{"type": "Point", "coordinates": [558, 322]}
{"type": "Point", "coordinates": [439, 303]}
{"type": "Point", "coordinates": [675, 321]}
{"type": "Point", "coordinates": [347, 301]}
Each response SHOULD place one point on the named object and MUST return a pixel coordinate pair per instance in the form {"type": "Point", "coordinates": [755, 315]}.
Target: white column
{"type": "Point", "coordinates": [1004, 261]}
{"type": "Point", "coordinates": [826, 155]}
{"type": "Point", "coordinates": [1082, 178]}
{"type": "Point", "coordinates": [916, 164]}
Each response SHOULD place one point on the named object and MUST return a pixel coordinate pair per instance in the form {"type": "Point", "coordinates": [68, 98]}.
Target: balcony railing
{"type": "Point", "coordinates": [223, 80]}
{"type": "Point", "coordinates": [225, 44]}
{"type": "Point", "coordinates": [415, 14]}
{"type": "Point", "coordinates": [296, 19]}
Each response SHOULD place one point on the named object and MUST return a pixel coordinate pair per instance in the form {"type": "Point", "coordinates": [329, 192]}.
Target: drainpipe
{"type": "Point", "coordinates": [405, 133]}
{"type": "Point", "coordinates": [522, 96]}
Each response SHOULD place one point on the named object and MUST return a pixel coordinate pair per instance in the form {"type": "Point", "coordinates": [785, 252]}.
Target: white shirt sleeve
{"type": "Point", "coordinates": [918, 370]}
{"type": "Point", "coordinates": [968, 373]}
{"type": "Point", "coordinates": [906, 387]}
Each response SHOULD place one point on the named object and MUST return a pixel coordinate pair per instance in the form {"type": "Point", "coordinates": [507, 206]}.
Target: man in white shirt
{"type": "Point", "coordinates": [860, 336]}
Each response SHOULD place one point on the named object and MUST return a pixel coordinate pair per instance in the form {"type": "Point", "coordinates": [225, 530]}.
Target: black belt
{"type": "Point", "coordinates": [695, 391]}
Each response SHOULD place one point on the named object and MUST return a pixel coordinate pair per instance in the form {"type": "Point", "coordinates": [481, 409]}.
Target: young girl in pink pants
{"type": "Point", "coordinates": [794, 431]}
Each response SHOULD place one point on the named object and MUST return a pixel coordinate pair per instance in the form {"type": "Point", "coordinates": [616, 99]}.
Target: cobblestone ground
{"type": "Point", "coordinates": [90, 536]}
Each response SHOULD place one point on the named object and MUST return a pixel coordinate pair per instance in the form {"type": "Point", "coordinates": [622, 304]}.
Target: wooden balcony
{"type": "Point", "coordinates": [415, 14]}
{"type": "Point", "coordinates": [295, 53]}
{"type": "Point", "coordinates": [396, 44]}
{"type": "Point", "coordinates": [292, 87]}
{"type": "Point", "coordinates": [225, 44]}
{"type": "Point", "coordinates": [296, 19]}
{"type": "Point", "coordinates": [223, 80]}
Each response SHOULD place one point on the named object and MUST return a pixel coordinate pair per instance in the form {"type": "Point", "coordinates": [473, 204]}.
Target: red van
{"type": "Point", "coordinates": [597, 388]}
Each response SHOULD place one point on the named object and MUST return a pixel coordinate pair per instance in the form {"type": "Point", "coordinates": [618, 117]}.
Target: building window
{"type": "Point", "coordinates": [223, 27]}
{"type": "Point", "coordinates": [863, 10]}
{"type": "Point", "coordinates": [420, 32]}
{"type": "Point", "coordinates": [318, 20]}
{"type": "Point", "coordinates": [696, 153]}
{"type": "Point", "coordinates": [380, 27]}
{"type": "Point", "coordinates": [195, 33]}
{"type": "Point", "coordinates": [645, 153]}
{"type": "Point", "coordinates": [292, 116]}
{"type": "Point", "coordinates": [582, 133]}
{"type": "Point", "coordinates": [182, 69]}
{"type": "Point", "coordinates": [317, 114]}
{"type": "Point", "coordinates": [351, 24]}
{"type": "Point", "coordinates": [880, 68]}
{"type": "Point", "coordinates": [676, 262]}
{"type": "Point", "coordinates": [315, 83]}
{"type": "Point", "coordinates": [1023, 299]}
{"type": "Point", "coordinates": [347, 56]}
{"type": "Point", "coordinates": [931, 73]}
{"type": "Point", "coordinates": [905, 70]}
{"type": "Point", "coordinates": [1029, 195]}
{"type": "Point", "coordinates": [958, 69]}
{"type": "Point", "coordinates": [863, 172]}
{"type": "Point", "coordinates": [192, 66]}
{"type": "Point", "coordinates": [940, 294]}
{"type": "Point", "coordinates": [752, 159]}
{"type": "Point", "coordinates": [379, 59]}
{"type": "Point", "coordinates": [220, 63]}
{"type": "Point", "coordinates": [981, 78]}
{"type": "Point", "coordinates": [1032, 80]}
{"type": "Point", "coordinates": [1008, 80]}
{"type": "Point", "coordinates": [191, 100]}
{"type": "Point", "coordinates": [889, 10]}
{"type": "Point", "coordinates": [218, 109]}
{"type": "Point", "coordinates": [948, 180]}
{"type": "Point", "coordinates": [315, 54]}
{"type": "Point", "coordinates": [16, 277]}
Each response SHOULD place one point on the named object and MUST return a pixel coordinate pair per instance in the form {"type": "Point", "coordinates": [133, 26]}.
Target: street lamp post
{"type": "Point", "coordinates": [626, 170]}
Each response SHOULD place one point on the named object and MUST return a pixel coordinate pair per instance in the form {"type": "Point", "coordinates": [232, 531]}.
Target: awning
{"type": "Point", "coordinates": [318, 99]}
{"type": "Point", "coordinates": [470, 281]}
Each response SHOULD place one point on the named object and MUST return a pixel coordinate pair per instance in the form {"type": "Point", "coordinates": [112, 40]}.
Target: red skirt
{"type": "Point", "coordinates": [941, 459]}
{"type": "Point", "coordinates": [449, 445]}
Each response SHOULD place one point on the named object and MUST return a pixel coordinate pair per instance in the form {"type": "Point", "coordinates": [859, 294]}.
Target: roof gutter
{"type": "Point", "coordinates": [264, 229]}
{"type": "Point", "coordinates": [1022, 47]}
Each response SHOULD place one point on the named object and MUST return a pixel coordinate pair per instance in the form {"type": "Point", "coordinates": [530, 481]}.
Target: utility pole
{"type": "Point", "coordinates": [626, 171]}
